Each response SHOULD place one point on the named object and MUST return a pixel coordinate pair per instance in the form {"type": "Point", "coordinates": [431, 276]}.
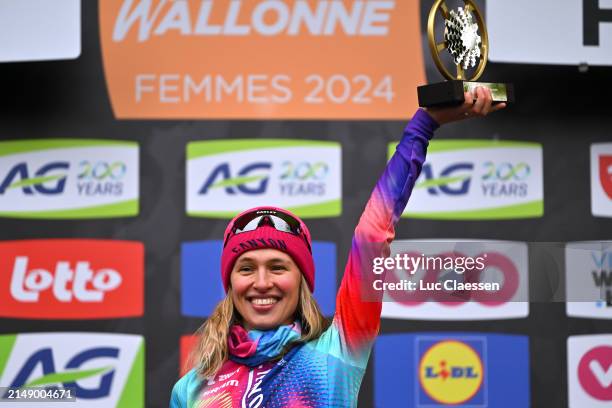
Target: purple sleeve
{"type": "Point", "coordinates": [357, 320]}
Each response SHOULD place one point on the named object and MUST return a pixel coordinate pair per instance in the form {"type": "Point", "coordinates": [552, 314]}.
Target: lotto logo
{"type": "Point", "coordinates": [27, 285]}
{"type": "Point", "coordinates": [71, 279]}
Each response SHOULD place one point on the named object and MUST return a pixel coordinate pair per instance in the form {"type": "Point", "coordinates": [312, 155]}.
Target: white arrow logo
{"type": "Point", "coordinates": [603, 377]}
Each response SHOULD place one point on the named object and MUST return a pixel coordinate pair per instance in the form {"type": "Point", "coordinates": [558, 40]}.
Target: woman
{"type": "Point", "coordinates": [267, 344]}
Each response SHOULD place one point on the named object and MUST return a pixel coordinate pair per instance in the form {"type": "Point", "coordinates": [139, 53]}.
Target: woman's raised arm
{"type": "Point", "coordinates": [358, 306]}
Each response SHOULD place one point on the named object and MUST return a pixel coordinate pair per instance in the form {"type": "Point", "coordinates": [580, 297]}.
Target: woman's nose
{"type": "Point", "coordinates": [262, 279]}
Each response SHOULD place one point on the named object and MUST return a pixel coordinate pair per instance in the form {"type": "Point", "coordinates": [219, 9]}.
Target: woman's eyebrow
{"type": "Point", "coordinates": [276, 260]}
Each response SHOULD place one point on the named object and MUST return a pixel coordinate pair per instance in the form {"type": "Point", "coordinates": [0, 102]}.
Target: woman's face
{"type": "Point", "coordinates": [265, 288]}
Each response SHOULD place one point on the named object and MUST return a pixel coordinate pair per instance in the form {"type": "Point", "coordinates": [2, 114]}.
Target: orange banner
{"type": "Point", "coordinates": [258, 59]}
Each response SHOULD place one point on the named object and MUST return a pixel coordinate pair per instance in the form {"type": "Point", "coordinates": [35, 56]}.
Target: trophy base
{"type": "Point", "coordinates": [450, 93]}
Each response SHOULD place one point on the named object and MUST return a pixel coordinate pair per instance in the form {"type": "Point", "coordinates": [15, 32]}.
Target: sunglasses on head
{"type": "Point", "coordinates": [280, 221]}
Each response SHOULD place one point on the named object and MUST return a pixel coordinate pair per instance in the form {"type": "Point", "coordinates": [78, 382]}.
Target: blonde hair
{"type": "Point", "coordinates": [211, 350]}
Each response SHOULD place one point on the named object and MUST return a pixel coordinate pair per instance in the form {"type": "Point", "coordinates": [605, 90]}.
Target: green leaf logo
{"type": "Point", "coordinates": [68, 376]}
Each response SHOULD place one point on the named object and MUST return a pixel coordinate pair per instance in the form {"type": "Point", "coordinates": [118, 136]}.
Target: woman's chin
{"type": "Point", "coordinates": [265, 322]}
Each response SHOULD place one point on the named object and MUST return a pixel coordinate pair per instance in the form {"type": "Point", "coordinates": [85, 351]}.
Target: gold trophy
{"type": "Point", "coordinates": [469, 51]}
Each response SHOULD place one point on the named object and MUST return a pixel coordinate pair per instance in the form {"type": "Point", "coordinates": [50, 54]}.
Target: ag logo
{"type": "Point", "coordinates": [478, 180]}
{"type": "Point", "coordinates": [105, 370]}
{"type": "Point", "coordinates": [226, 177]}
{"type": "Point", "coordinates": [247, 181]}
{"type": "Point", "coordinates": [451, 372]}
{"type": "Point", "coordinates": [68, 375]}
{"type": "Point", "coordinates": [448, 181]}
{"type": "Point", "coordinates": [68, 178]}
{"type": "Point", "coordinates": [503, 173]}
{"type": "Point", "coordinates": [48, 179]}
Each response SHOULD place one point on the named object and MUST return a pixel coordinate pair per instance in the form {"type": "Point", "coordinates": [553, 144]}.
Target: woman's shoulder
{"type": "Point", "coordinates": [184, 387]}
{"type": "Point", "coordinates": [191, 375]}
{"type": "Point", "coordinates": [328, 342]}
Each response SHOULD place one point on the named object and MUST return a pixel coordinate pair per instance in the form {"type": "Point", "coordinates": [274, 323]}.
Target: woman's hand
{"type": "Point", "coordinates": [479, 106]}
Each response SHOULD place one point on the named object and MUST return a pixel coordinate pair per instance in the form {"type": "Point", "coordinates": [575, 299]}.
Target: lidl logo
{"type": "Point", "coordinates": [505, 263]}
{"type": "Point", "coordinates": [478, 180]}
{"type": "Point", "coordinates": [451, 372]}
{"type": "Point", "coordinates": [205, 44]}
{"type": "Point", "coordinates": [588, 277]}
{"type": "Point", "coordinates": [601, 179]}
{"type": "Point", "coordinates": [68, 178]}
{"type": "Point", "coordinates": [105, 370]}
{"type": "Point", "coordinates": [590, 371]}
{"type": "Point", "coordinates": [451, 369]}
{"type": "Point", "coordinates": [71, 279]}
{"type": "Point", "coordinates": [201, 287]}
{"type": "Point", "coordinates": [226, 177]}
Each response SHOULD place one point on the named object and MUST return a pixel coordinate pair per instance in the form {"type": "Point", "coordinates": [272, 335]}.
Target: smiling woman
{"type": "Point", "coordinates": [265, 288]}
{"type": "Point", "coordinates": [267, 344]}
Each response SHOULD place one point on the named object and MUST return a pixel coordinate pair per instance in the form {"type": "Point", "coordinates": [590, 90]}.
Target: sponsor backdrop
{"type": "Point", "coordinates": [121, 161]}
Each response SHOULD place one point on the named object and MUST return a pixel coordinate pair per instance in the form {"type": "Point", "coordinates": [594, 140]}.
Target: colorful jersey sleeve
{"type": "Point", "coordinates": [184, 388]}
{"type": "Point", "coordinates": [357, 320]}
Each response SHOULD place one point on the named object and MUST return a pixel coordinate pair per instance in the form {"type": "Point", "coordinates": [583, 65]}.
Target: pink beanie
{"type": "Point", "coordinates": [267, 236]}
